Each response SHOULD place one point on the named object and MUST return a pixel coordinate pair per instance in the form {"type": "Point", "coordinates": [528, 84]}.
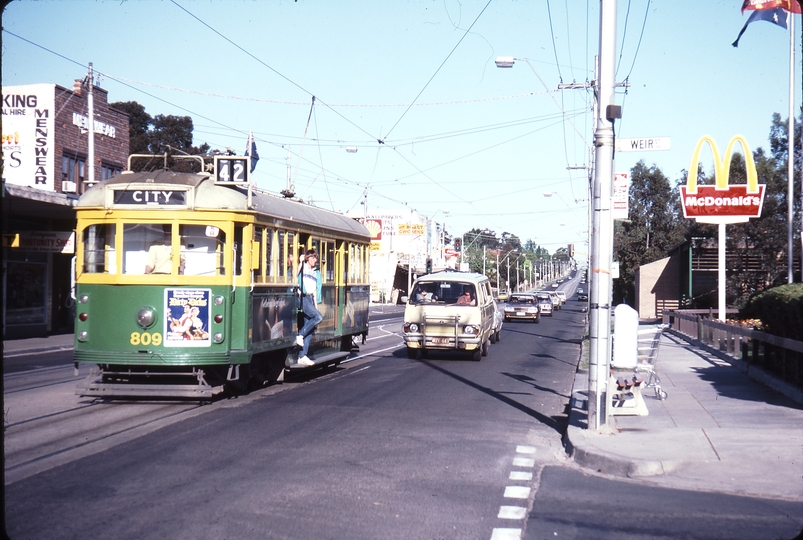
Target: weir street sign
{"type": "Point", "coordinates": [722, 203]}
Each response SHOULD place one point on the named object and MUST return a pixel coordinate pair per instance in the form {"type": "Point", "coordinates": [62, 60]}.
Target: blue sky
{"type": "Point", "coordinates": [413, 86]}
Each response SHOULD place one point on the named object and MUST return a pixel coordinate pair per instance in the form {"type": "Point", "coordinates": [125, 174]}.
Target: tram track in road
{"type": "Point", "coordinates": [46, 425]}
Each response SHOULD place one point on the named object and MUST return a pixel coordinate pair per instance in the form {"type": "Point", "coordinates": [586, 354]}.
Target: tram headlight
{"type": "Point", "coordinates": [219, 300]}
{"type": "Point", "coordinates": [82, 335]}
{"type": "Point", "coordinates": [83, 299]}
{"type": "Point", "coordinates": [218, 337]}
{"type": "Point", "coordinates": [146, 317]}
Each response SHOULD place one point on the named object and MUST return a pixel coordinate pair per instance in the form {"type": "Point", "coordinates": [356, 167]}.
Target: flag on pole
{"type": "Point", "coordinates": [777, 16]}
{"type": "Point", "coordinates": [251, 150]}
{"type": "Point", "coordinates": [763, 5]}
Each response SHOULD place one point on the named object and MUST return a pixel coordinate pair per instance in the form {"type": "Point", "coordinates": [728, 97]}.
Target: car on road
{"type": "Point", "coordinates": [562, 296]}
{"type": "Point", "coordinates": [582, 297]}
{"type": "Point", "coordinates": [499, 318]}
{"type": "Point", "coordinates": [545, 306]}
{"type": "Point", "coordinates": [522, 306]}
{"type": "Point", "coordinates": [556, 303]}
{"type": "Point", "coordinates": [449, 312]}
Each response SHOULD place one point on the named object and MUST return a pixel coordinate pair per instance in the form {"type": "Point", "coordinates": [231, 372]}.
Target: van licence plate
{"type": "Point", "coordinates": [440, 341]}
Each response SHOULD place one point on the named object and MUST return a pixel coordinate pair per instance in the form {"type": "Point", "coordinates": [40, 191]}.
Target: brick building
{"type": "Point", "coordinates": [45, 146]}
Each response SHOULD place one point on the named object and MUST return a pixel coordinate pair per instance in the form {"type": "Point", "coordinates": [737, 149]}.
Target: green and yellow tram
{"type": "Point", "coordinates": [186, 283]}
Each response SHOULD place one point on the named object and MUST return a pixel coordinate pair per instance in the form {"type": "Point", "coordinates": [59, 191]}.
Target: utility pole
{"type": "Point", "coordinates": [90, 166]}
{"type": "Point", "coordinates": [602, 233]}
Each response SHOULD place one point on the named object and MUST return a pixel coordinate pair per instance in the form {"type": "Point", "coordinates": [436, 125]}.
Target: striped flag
{"type": "Point", "coordinates": [762, 5]}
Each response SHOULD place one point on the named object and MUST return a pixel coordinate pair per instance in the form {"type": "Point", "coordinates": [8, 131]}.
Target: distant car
{"type": "Point", "coordinates": [554, 285]}
{"type": "Point", "coordinates": [502, 296]}
{"type": "Point", "coordinates": [499, 318]}
{"type": "Point", "coordinates": [556, 303]}
{"type": "Point", "coordinates": [582, 297]}
{"type": "Point", "coordinates": [562, 296]}
{"type": "Point", "coordinates": [522, 306]}
{"type": "Point", "coordinates": [545, 305]}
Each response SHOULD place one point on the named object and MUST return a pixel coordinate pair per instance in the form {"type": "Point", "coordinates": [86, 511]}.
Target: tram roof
{"type": "Point", "coordinates": [209, 196]}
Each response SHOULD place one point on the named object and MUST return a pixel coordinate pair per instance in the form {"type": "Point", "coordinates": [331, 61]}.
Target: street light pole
{"type": "Point", "coordinates": [602, 235]}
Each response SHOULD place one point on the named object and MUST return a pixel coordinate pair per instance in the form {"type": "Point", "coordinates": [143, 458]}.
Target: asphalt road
{"type": "Point", "coordinates": [383, 447]}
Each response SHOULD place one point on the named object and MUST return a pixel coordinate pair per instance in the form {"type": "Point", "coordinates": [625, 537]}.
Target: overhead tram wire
{"type": "Point", "coordinates": [243, 132]}
{"type": "Point", "coordinates": [552, 34]}
{"type": "Point", "coordinates": [638, 48]}
{"type": "Point", "coordinates": [273, 70]}
{"type": "Point", "coordinates": [437, 70]}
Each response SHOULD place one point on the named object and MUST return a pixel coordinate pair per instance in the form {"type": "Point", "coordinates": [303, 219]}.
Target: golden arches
{"type": "Point", "coordinates": [722, 167]}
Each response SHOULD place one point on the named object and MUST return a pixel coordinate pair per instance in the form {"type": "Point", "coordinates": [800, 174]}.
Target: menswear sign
{"type": "Point", "coordinates": [722, 203]}
{"type": "Point", "coordinates": [28, 123]}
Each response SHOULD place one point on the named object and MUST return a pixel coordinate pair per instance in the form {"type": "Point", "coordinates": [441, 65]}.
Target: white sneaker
{"type": "Point", "coordinates": [300, 341]}
{"type": "Point", "coordinates": [305, 361]}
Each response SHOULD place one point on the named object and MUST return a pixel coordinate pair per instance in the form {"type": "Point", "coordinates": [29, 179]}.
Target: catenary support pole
{"type": "Point", "coordinates": [602, 238]}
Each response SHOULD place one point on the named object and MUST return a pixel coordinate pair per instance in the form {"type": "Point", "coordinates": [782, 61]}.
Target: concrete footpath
{"type": "Point", "coordinates": [718, 429]}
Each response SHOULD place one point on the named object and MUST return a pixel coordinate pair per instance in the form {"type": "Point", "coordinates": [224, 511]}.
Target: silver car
{"type": "Point", "coordinates": [545, 303]}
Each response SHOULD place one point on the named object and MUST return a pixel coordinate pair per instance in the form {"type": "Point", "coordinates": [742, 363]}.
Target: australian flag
{"type": "Point", "coordinates": [251, 150]}
{"type": "Point", "coordinates": [777, 16]}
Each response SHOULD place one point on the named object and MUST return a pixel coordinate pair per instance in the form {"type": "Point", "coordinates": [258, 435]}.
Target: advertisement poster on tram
{"type": "Point", "coordinates": [187, 317]}
{"type": "Point", "coordinates": [273, 316]}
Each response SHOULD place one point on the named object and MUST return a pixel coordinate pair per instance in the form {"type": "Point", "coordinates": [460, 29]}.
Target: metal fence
{"type": "Point", "coordinates": [783, 357]}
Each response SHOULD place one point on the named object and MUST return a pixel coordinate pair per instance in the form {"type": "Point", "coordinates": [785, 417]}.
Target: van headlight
{"type": "Point", "coordinates": [410, 328]}
{"type": "Point", "coordinates": [470, 329]}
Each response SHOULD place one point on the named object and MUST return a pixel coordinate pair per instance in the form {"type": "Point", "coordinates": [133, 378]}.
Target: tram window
{"type": "Point", "coordinates": [202, 247]}
{"type": "Point", "coordinates": [292, 258]}
{"type": "Point", "coordinates": [147, 245]}
{"type": "Point", "coordinates": [99, 253]}
{"type": "Point", "coordinates": [282, 264]}
{"type": "Point", "coordinates": [270, 246]}
{"type": "Point", "coordinates": [330, 262]}
{"type": "Point", "coordinates": [258, 272]}
{"type": "Point", "coordinates": [238, 249]}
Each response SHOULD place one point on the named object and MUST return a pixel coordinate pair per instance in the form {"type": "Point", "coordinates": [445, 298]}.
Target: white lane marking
{"type": "Point", "coordinates": [525, 449]}
{"type": "Point", "coordinates": [521, 475]}
{"type": "Point", "coordinates": [523, 462]}
{"type": "Point", "coordinates": [512, 512]}
{"type": "Point", "coordinates": [517, 492]}
{"type": "Point", "coordinates": [369, 354]}
{"type": "Point", "coordinates": [506, 534]}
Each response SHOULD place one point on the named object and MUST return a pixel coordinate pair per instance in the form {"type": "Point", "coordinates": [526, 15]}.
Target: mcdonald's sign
{"type": "Point", "coordinates": [722, 203]}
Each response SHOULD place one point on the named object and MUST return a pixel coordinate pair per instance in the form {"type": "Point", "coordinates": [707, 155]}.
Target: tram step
{"type": "Point", "coordinates": [322, 359]}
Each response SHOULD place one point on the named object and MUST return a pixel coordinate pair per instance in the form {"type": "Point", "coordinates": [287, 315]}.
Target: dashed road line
{"type": "Point", "coordinates": [508, 511]}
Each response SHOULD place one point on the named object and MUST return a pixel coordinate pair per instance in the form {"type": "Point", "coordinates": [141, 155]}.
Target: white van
{"type": "Point", "coordinates": [449, 311]}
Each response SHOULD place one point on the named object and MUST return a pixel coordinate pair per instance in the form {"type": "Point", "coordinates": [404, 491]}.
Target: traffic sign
{"type": "Point", "coordinates": [644, 144]}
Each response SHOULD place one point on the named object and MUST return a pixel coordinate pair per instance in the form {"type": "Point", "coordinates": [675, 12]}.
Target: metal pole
{"type": "Point", "coordinates": [497, 273]}
{"type": "Point", "coordinates": [790, 153]}
{"type": "Point", "coordinates": [90, 170]}
{"type": "Point", "coordinates": [602, 249]}
{"type": "Point", "coordinates": [721, 278]}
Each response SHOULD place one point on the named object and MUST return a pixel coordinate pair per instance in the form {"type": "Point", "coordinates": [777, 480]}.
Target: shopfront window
{"type": "Point", "coordinates": [25, 290]}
